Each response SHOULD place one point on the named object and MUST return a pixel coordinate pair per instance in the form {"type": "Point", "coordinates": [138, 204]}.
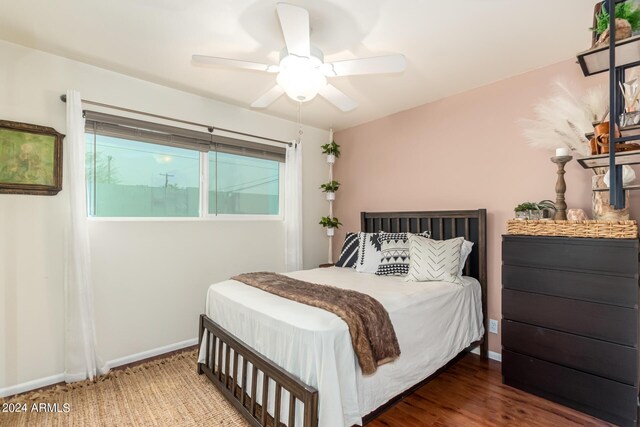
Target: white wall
{"type": "Point", "coordinates": [150, 277]}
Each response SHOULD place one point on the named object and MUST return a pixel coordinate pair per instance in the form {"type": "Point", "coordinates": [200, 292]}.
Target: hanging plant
{"type": "Point", "coordinates": [331, 224]}
{"type": "Point", "coordinates": [330, 187]}
{"type": "Point", "coordinates": [328, 222]}
{"type": "Point", "coordinates": [332, 150]}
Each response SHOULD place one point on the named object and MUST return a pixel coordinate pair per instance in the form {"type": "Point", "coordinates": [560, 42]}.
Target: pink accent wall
{"type": "Point", "coordinates": [462, 152]}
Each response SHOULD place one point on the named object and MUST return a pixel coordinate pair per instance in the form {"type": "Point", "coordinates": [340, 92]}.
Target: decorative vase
{"type": "Point", "coordinates": [330, 231]}
{"type": "Point", "coordinates": [331, 158]}
{"type": "Point", "coordinates": [601, 134]}
{"type": "Point", "coordinates": [628, 176]}
{"type": "Point", "coordinates": [602, 210]}
{"type": "Point", "coordinates": [531, 214]}
{"type": "Point", "coordinates": [331, 195]}
{"type": "Point", "coordinates": [623, 31]}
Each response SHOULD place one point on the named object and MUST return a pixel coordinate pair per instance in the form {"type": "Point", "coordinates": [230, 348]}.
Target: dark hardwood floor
{"type": "Point", "coordinates": [471, 393]}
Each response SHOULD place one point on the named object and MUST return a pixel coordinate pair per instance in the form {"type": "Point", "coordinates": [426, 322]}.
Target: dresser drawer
{"type": "Point", "coordinates": [606, 399]}
{"type": "Point", "coordinates": [607, 256]}
{"type": "Point", "coordinates": [616, 290]}
{"type": "Point", "coordinates": [608, 360]}
{"type": "Point", "coordinates": [599, 321]}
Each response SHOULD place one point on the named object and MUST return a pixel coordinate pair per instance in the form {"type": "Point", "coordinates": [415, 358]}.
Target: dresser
{"type": "Point", "coordinates": [570, 322]}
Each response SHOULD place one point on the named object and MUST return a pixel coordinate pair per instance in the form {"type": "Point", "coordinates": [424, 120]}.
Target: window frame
{"type": "Point", "coordinates": [203, 206]}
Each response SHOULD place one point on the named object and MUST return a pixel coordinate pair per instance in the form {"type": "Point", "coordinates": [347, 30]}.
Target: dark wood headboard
{"type": "Point", "coordinates": [472, 225]}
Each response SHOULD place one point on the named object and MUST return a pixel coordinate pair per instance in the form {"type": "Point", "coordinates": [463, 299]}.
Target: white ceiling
{"type": "Point", "coordinates": [450, 45]}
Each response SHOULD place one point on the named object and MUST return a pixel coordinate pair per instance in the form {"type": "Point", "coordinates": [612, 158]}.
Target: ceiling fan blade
{"type": "Point", "coordinates": [294, 21]}
{"type": "Point", "coordinates": [268, 98]}
{"type": "Point", "coordinates": [337, 98]}
{"type": "Point", "coordinates": [379, 64]}
{"type": "Point", "coordinates": [234, 63]}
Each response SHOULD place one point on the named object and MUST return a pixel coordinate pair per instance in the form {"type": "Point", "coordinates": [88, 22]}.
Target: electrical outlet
{"type": "Point", "coordinates": [493, 326]}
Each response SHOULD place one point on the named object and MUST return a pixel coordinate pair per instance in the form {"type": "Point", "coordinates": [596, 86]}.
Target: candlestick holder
{"type": "Point", "coordinates": [561, 187]}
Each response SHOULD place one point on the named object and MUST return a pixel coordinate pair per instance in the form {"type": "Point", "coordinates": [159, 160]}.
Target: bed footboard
{"type": "Point", "coordinates": [237, 370]}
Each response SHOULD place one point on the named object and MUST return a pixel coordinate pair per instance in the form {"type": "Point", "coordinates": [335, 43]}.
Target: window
{"type": "Point", "coordinates": [240, 185]}
{"type": "Point", "coordinates": [140, 169]}
{"type": "Point", "coordinates": [137, 179]}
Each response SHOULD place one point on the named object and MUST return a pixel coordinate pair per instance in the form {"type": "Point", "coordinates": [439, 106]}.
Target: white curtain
{"type": "Point", "coordinates": [293, 208]}
{"type": "Point", "coordinates": [81, 360]}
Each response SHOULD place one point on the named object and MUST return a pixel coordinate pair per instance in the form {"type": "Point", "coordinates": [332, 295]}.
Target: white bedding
{"type": "Point", "coordinates": [433, 321]}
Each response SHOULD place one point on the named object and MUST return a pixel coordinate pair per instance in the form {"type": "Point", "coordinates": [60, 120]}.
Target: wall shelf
{"type": "Point", "coordinates": [602, 160]}
{"type": "Point", "coordinates": [596, 60]}
{"type": "Point", "coordinates": [626, 188]}
{"type": "Point", "coordinates": [633, 130]}
{"type": "Point", "coordinates": [616, 58]}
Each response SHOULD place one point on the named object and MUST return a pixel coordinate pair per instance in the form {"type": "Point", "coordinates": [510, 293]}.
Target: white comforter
{"type": "Point", "coordinates": [433, 321]}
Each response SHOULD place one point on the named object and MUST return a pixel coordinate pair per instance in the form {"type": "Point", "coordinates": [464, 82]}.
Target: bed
{"type": "Point", "coordinates": [263, 351]}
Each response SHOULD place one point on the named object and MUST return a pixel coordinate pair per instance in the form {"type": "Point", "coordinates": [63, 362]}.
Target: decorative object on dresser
{"type": "Point", "coordinates": [30, 159]}
{"type": "Point", "coordinates": [561, 185]}
{"type": "Point", "coordinates": [601, 208]}
{"type": "Point", "coordinates": [576, 215]}
{"type": "Point", "coordinates": [588, 228]}
{"type": "Point", "coordinates": [332, 150]}
{"type": "Point", "coordinates": [570, 322]}
{"type": "Point", "coordinates": [530, 210]}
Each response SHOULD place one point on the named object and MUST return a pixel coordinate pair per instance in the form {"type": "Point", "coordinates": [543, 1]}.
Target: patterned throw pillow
{"type": "Point", "coordinates": [394, 249]}
{"type": "Point", "coordinates": [434, 260]}
{"type": "Point", "coordinates": [349, 253]}
{"type": "Point", "coordinates": [465, 251]}
{"type": "Point", "coordinates": [368, 253]}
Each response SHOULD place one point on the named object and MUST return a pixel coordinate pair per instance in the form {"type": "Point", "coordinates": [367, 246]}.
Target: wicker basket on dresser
{"type": "Point", "coordinates": [570, 322]}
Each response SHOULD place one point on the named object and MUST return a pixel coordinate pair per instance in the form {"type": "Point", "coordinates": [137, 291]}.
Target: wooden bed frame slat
{"type": "Point", "coordinates": [218, 339]}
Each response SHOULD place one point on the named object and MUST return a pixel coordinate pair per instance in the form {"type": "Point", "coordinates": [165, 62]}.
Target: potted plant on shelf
{"type": "Point", "coordinates": [330, 188]}
{"type": "Point", "coordinates": [627, 22]}
{"type": "Point", "coordinates": [535, 211]}
{"type": "Point", "coordinates": [332, 150]}
{"type": "Point", "coordinates": [330, 224]}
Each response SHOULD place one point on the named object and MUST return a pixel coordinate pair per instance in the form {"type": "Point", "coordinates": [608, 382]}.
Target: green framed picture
{"type": "Point", "coordinates": [30, 159]}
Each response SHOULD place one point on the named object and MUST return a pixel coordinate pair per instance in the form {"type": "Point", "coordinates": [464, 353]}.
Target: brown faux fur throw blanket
{"type": "Point", "coordinates": [372, 334]}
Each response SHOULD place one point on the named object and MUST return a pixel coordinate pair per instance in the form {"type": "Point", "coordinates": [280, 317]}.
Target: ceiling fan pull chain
{"type": "Point", "coordinates": [300, 132]}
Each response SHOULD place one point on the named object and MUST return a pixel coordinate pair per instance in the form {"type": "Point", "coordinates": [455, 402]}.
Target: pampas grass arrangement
{"type": "Point", "coordinates": [563, 119]}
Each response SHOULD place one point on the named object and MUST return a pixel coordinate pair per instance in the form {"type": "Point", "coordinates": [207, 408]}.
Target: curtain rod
{"type": "Point", "coordinates": [210, 128]}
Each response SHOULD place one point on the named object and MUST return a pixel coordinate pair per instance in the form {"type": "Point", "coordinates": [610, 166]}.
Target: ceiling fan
{"type": "Point", "coordinates": [302, 73]}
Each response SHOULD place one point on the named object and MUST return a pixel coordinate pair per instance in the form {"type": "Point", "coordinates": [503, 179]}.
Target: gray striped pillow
{"type": "Point", "coordinates": [349, 253]}
{"type": "Point", "coordinates": [434, 260]}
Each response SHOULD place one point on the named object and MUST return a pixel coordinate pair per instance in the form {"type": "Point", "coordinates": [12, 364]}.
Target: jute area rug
{"type": "Point", "coordinates": [164, 392]}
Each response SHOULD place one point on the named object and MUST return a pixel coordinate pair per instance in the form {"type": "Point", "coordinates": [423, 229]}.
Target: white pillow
{"type": "Point", "coordinates": [369, 254]}
{"type": "Point", "coordinates": [466, 249]}
{"type": "Point", "coordinates": [434, 260]}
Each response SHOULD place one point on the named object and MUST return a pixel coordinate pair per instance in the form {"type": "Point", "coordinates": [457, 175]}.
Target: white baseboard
{"type": "Point", "coordinates": [31, 385]}
{"type": "Point", "coordinates": [151, 353]}
{"type": "Point", "coordinates": [495, 356]}
{"type": "Point", "coordinates": [53, 379]}
{"type": "Point", "coordinates": [492, 354]}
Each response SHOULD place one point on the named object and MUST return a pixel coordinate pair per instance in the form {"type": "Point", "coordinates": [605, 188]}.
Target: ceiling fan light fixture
{"type": "Point", "coordinates": [300, 77]}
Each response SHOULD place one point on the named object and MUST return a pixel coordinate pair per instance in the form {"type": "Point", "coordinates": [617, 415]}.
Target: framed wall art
{"type": "Point", "coordinates": [30, 159]}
